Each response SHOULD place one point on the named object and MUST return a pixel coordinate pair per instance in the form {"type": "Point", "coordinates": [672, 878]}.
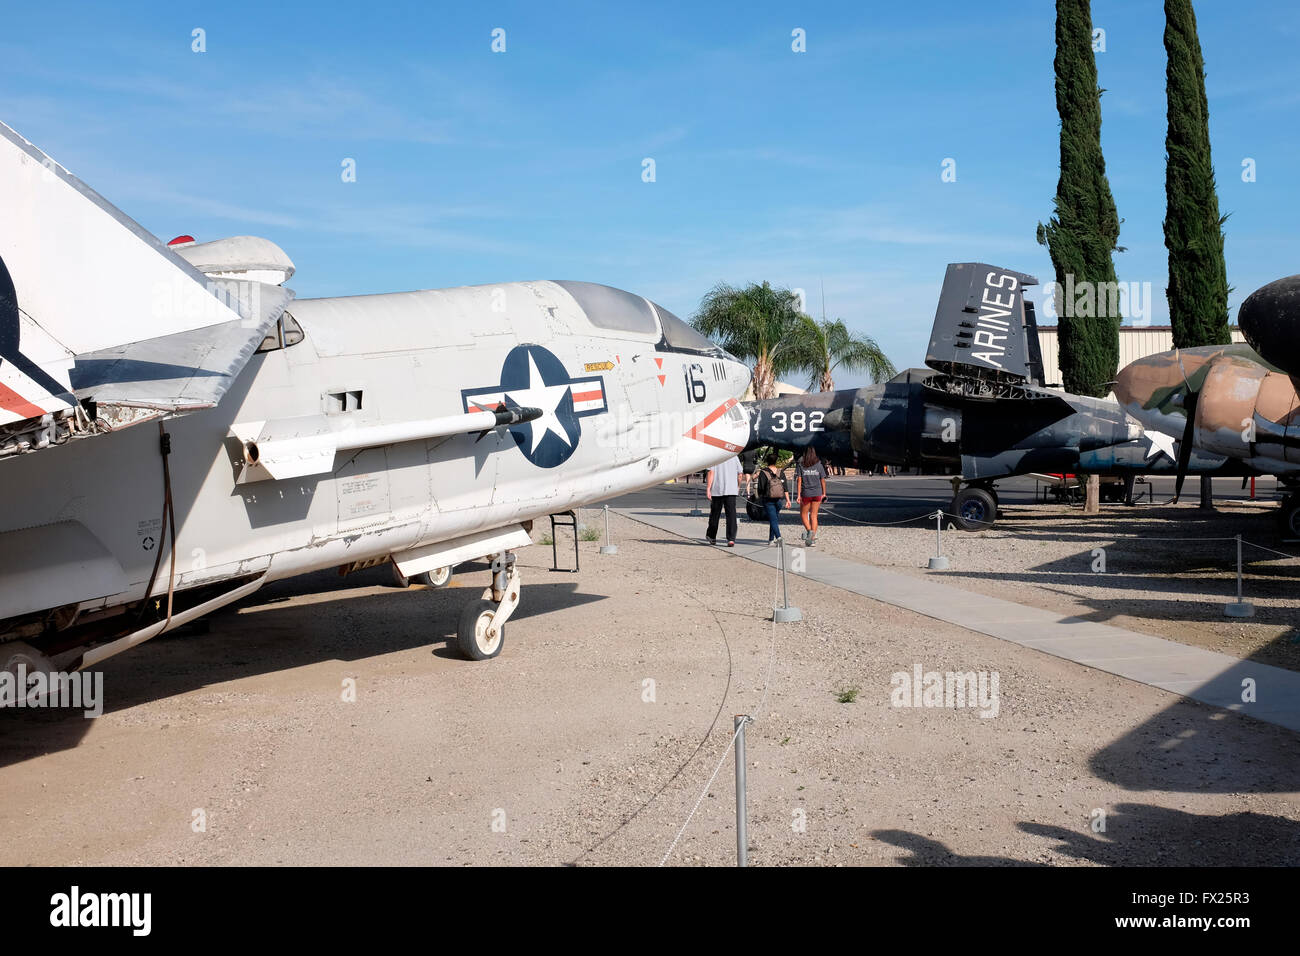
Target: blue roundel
{"type": "Point", "coordinates": [532, 377]}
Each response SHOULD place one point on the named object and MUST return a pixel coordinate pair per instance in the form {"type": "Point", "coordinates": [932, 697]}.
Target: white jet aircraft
{"type": "Point", "coordinates": [175, 432]}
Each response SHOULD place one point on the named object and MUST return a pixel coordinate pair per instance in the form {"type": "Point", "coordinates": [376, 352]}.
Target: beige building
{"type": "Point", "coordinates": [782, 388]}
{"type": "Point", "coordinates": [1135, 342]}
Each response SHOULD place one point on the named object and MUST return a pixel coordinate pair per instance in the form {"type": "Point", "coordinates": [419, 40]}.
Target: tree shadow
{"type": "Point", "coordinates": [1135, 835]}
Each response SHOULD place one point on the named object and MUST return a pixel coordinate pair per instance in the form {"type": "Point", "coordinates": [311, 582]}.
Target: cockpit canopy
{"type": "Point", "coordinates": [614, 309]}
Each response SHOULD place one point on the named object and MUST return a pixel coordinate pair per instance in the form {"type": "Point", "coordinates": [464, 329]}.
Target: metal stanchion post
{"type": "Point", "coordinates": [608, 548]}
{"type": "Point", "coordinates": [1239, 608]}
{"type": "Point", "coordinates": [695, 509]}
{"type": "Point", "coordinates": [938, 562]}
{"type": "Point", "coordinates": [742, 815]}
{"type": "Point", "coordinates": [785, 614]}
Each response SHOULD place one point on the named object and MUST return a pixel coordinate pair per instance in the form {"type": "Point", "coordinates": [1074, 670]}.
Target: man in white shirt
{"type": "Point", "coordinates": [722, 487]}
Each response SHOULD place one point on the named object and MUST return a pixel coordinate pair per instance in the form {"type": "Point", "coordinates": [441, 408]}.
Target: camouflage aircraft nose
{"type": "Point", "coordinates": [1148, 383]}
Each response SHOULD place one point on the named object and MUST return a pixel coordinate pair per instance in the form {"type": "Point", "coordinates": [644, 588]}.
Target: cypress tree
{"type": "Point", "coordinates": [1085, 230]}
{"type": "Point", "coordinates": [1198, 275]}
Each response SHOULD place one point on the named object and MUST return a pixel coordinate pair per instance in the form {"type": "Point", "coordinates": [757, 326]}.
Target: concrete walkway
{"type": "Point", "coordinates": [1202, 675]}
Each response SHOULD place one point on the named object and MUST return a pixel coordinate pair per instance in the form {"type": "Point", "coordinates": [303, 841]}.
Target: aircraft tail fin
{"type": "Point", "coordinates": [984, 327]}
{"type": "Point", "coordinates": [101, 324]}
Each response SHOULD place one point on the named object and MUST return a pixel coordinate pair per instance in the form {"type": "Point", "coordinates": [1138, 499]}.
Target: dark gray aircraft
{"type": "Point", "coordinates": [979, 410]}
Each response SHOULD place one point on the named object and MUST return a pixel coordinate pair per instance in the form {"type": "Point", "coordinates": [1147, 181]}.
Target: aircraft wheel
{"type": "Point", "coordinates": [472, 638]}
{"type": "Point", "coordinates": [1289, 516]}
{"type": "Point", "coordinates": [975, 509]}
{"type": "Point", "coordinates": [437, 578]}
{"type": "Point", "coordinates": [17, 654]}
{"type": "Point", "coordinates": [1111, 493]}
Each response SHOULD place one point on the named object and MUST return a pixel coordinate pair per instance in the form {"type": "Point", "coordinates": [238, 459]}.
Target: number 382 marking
{"type": "Point", "coordinates": [797, 421]}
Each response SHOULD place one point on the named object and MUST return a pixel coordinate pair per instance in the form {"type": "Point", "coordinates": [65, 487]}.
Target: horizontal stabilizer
{"type": "Point", "coordinates": [298, 447]}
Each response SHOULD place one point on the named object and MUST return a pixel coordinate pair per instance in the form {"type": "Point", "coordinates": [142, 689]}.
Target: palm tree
{"type": "Point", "coordinates": [762, 325]}
{"type": "Point", "coordinates": [837, 347]}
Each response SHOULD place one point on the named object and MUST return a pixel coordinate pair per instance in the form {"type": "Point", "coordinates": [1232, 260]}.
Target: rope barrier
{"type": "Point", "coordinates": [767, 685]}
{"type": "Point", "coordinates": [1273, 550]}
{"type": "Point", "coordinates": [882, 524]}
{"type": "Point", "coordinates": [703, 793]}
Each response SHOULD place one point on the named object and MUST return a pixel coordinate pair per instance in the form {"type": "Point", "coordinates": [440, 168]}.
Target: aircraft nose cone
{"type": "Point", "coordinates": [1124, 383]}
{"type": "Point", "coordinates": [1148, 381]}
{"type": "Point", "coordinates": [745, 376]}
{"type": "Point", "coordinates": [1270, 319]}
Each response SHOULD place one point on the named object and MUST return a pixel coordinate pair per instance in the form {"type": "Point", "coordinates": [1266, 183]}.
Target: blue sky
{"type": "Point", "coordinates": [811, 169]}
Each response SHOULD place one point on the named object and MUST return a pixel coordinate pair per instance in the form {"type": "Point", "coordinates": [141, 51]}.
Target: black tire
{"type": "Point", "coordinates": [471, 640]}
{"type": "Point", "coordinates": [1288, 517]}
{"type": "Point", "coordinates": [975, 509]}
{"type": "Point", "coordinates": [437, 578]}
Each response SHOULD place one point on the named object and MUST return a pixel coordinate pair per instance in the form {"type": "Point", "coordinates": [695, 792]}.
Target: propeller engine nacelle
{"type": "Point", "coordinates": [1244, 411]}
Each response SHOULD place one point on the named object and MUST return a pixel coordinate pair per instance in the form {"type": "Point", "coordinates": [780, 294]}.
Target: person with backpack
{"type": "Point", "coordinates": [773, 494]}
{"type": "Point", "coordinates": [811, 478]}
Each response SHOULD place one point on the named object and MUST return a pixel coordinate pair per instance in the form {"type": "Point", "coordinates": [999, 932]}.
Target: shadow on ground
{"type": "Point", "coordinates": [1136, 834]}
{"type": "Point", "coordinates": [266, 633]}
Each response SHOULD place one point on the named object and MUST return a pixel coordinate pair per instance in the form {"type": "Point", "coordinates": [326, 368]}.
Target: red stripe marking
{"type": "Point", "coordinates": [11, 401]}
{"type": "Point", "coordinates": [697, 432]}
{"type": "Point", "coordinates": [595, 396]}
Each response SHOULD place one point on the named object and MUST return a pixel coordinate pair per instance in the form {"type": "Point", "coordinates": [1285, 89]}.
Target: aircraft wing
{"type": "Point", "coordinates": [101, 325]}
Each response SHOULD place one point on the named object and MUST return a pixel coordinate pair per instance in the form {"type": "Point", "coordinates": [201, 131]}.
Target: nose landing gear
{"type": "Point", "coordinates": [481, 632]}
{"type": "Point", "coordinates": [1288, 516]}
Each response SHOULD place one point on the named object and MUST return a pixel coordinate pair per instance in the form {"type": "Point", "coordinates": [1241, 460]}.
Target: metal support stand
{"type": "Point", "coordinates": [742, 813]}
{"type": "Point", "coordinates": [695, 509]}
{"type": "Point", "coordinates": [1239, 608]}
{"type": "Point", "coordinates": [572, 522]}
{"type": "Point", "coordinates": [938, 562]}
{"type": "Point", "coordinates": [785, 614]}
{"type": "Point", "coordinates": [608, 548]}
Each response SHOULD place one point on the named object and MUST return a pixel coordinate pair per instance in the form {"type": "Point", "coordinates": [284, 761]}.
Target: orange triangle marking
{"type": "Point", "coordinates": [659, 362]}
{"type": "Point", "coordinates": [661, 379]}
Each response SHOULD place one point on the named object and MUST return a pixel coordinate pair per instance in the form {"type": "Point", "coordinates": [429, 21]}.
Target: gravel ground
{"type": "Point", "coordinates": [566, 747]}
{"type": "Point", "coordinates": [1163, 575]}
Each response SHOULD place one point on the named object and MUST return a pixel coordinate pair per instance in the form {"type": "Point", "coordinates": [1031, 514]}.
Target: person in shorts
{"type": "Point", "coordinates": [811, 479]}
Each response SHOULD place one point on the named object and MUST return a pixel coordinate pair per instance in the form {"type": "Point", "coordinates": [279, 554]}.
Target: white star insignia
{"type": "Point", "coordinates": [1160, 442]}
{"type": "Point", "coordinates": [546, 397]}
